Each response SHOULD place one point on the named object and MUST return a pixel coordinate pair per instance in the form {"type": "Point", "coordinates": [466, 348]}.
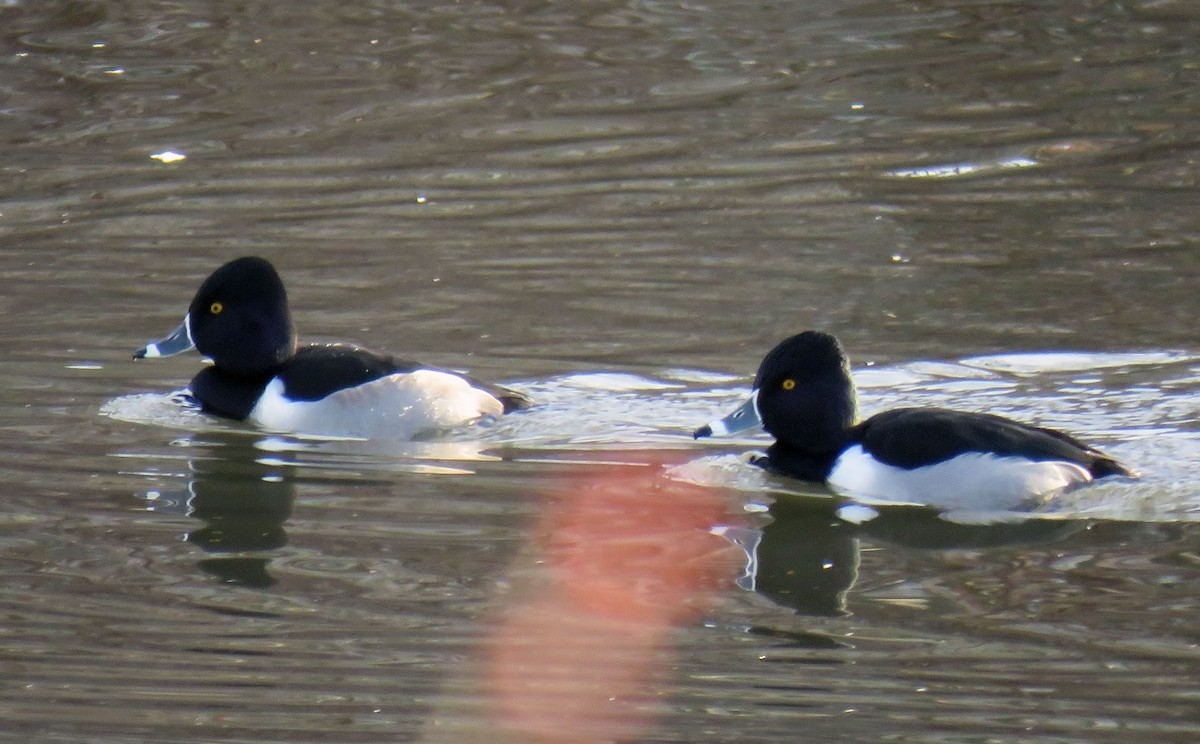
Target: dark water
{"type": "Point", "coordinates": [619, 208]}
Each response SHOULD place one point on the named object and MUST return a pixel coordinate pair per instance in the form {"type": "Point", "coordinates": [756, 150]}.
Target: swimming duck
{"type": "Point", "coordinates": [804, 396]}
{"type": "Point", "coordinates": [240, 320]}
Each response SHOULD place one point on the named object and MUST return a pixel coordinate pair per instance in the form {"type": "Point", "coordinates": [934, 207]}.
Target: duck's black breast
{"type": "Point", "coordinates": [227, 395]}
{"type": "Point", "coordinates": [914, 437]}
{"type": "Point", "coordinates": [784, 459]}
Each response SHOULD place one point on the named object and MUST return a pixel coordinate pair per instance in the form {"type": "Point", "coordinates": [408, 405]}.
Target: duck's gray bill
{"type": "Point", "coordinates": [743, 418]}
{"type": "Point", "coordinates": [178, 342]}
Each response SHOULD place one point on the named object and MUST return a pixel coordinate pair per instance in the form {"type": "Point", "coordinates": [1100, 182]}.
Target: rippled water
{"type": "Point", "coordinates": [618, 208]}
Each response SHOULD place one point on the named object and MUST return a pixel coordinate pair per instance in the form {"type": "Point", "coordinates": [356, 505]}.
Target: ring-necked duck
{"type": "Point", "coordinates": [240, 320]}
{"type": "Point", "coordinates": [803, 395]}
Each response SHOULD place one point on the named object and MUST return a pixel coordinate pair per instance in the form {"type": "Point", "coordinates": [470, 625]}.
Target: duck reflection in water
{"type": "Point", "coordinates": [242, 503]}
{"type": "Point", "coordinates": [807, 557]}
{"type": "Point", "coordinates": [807, 561]}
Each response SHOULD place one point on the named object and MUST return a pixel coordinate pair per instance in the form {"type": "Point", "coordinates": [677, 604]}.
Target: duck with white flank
{"type": "Point", "coordinates": [240, 320]}
{"type": "Point", "coordinates": [804, 396]}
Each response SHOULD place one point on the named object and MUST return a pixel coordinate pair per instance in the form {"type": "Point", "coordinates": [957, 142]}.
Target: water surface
{"type": "Point", "coordinates": [617, 207]}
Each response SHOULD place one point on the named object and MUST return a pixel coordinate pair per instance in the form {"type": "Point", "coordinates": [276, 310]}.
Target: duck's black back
{"type": "Point", "coordinates": [913, 437]}
{"type": "Point", "coordinates": [321, 369]}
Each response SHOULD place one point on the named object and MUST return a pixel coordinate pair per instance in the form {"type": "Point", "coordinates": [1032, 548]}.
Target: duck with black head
{"type": "Point", "coordinates": [804, 396]}
{"type": "Point", "coordinates": [240, 320]}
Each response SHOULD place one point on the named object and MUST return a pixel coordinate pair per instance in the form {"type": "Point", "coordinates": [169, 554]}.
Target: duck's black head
{"type": "Point", "coordinates": [805, 394]}
{"type": "Point", "coordinates": [239, 318]}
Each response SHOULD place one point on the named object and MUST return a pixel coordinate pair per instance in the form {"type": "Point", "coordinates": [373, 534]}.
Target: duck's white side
{"type": "Point", "coordinates": [974, 479]}
{"type": "Point", "coordinates": [397, 406]}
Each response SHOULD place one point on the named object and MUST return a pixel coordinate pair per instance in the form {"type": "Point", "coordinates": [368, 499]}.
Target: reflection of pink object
{"type": "Point", "coordinates": [560, 673]}
{"type": "Point", "coordinates": [630, 556]}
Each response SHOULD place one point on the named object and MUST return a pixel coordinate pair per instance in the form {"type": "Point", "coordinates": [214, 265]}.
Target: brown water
{"type": "Point", "coordinates": [618, 207]}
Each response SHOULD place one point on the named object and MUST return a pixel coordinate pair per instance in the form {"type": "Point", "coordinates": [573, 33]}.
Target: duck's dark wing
{"type": "Point", "coordinates": [913, 437]}
{"type": "Point", "coordinates": [316, 371]}
{"type": "Point", "coordinates": [1100, 465]}
{"type": "Point", "coordinates": [321, 369]}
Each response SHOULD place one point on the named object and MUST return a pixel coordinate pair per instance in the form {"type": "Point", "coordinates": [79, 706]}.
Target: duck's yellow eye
{"type": "Point", "coordinates": [788, 384]}
{"type": "Point", "coordinates": [216, 308]}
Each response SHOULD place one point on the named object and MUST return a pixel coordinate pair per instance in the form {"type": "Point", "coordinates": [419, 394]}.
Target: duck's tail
{"type": "Point", "coordinates": [1103, 465]}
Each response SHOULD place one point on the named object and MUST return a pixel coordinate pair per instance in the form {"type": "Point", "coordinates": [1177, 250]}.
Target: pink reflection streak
{"type": "Point", "coordinates": [581, 656]}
